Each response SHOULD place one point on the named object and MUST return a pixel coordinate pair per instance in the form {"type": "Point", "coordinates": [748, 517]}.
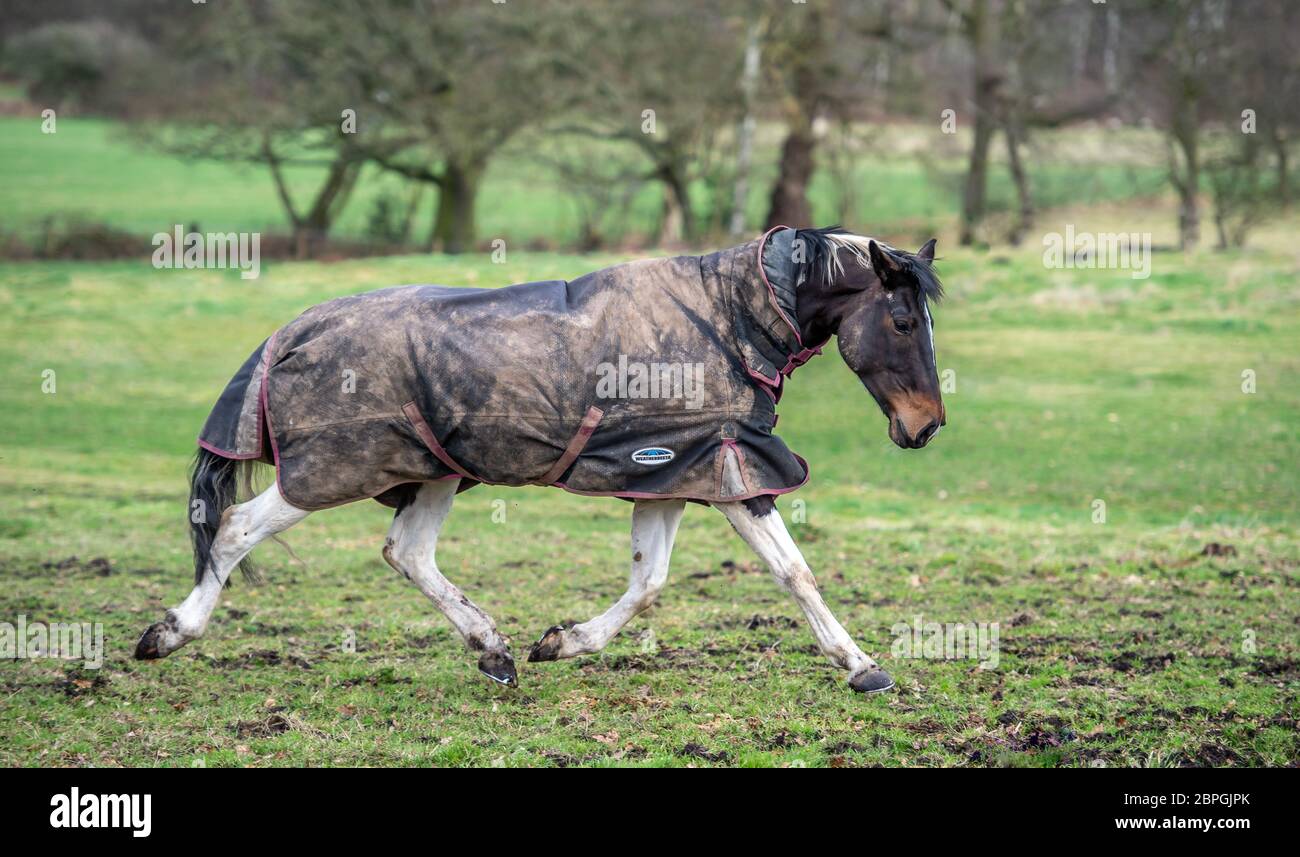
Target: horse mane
{"type": "Point", "coordinates": [822, 259]}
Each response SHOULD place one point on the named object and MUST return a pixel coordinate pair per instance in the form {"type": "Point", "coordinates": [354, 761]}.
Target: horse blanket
{"type": "Point", "coordinates": [633, 381]}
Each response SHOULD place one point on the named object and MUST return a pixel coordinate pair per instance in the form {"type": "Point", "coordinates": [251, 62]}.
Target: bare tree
{"type": "Point", "coordinates": [1018, 82]}
{"type": "Point", "coordinates": [665, 84]}
{"type": "Point", "coordinates": [745, 129]}
{"type": "Point", "coordinates": [250, 95]}
{"type": "Point", "coordinates": [1253, 105]}
{"type": "Point", "coordinates": [439, 86]}
{"type": "Point", "coordinates": [1177, 48]}
{"type": "Point", "coordinates": [1258, 91]}
{"type": "Point", "coordinates": [822, 67]}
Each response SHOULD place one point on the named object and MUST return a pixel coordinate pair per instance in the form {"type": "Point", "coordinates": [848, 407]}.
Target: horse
{"type": "Point", "coordinates": [654, 381]}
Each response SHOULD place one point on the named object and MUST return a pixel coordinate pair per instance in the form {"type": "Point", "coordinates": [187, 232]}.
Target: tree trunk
{"type": "Point", "coordinates": [412, 208]}
{"type": "Point", "coordinates": [1189, 182]}
{"type": "Point", "coordinates": [329, 202]}
{"type": "Point", "coordinates": [299, 237]}
{"type": "Point", "coordinates": [789, 203]}
{"type": "Point", "coordinates": [973, 199]}
{"type": "Point", "coordinates": [677, 226]}
{"type": "Point", "coordinates": [1189, 215]}
{"type": "Point", "coordinates": [1283, 167]}
{"type": "Point", "coordinates": [802, 60]}
{"type": "Point", "coordinates": [745, 130]}
{"type": "Point", "coordinates": [453, 225]}
{"type": "Point", "coordinates": [1010, 99]}
{"type": "Point", "coordinates": [1024, 216]}
{"type": "Point", "coordinates": [980, 33]}
{"type": "Point", "coordinates": [1110, 55]}
{"type": "Point", "coordinates": [1221, 227]}
{"type": "Point", "coordinates": [338, 183]}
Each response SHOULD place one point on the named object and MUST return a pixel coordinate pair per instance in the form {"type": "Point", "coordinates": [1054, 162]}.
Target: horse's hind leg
{"type": "Point", "coordinates": [412, 541]}
{"type": "Point", "coordinates": [759, 524]}
{"type": "Point", "coordinates": [242, 527]}
{"type": "Point", "coordinates": [654, 526]}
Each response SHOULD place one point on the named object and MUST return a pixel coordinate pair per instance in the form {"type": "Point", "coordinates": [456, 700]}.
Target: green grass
{"type": "Point", "coordinates": [95, 171]}
{"type": "Point", "coordinates": [1121, 644]}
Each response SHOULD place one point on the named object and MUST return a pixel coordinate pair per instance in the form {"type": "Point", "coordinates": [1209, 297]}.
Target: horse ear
{"type": "Point", "coordinates": [926, 253]}
{"type": "Point", "coordinates": [885, 265]}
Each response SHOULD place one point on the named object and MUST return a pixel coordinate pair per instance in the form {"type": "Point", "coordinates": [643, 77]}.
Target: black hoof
{"type": "Point", "coordinates": [499, 667]}
{"type": "Point", "coordinates": [147, 648]}
{"type": "Point", "coordinates": [874, 680]}
{"type": "Point", "coordinates": [548, 647]}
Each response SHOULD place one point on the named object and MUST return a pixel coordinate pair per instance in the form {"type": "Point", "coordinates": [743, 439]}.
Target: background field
{"type": "Point", "coordinates": [106, 175]}
{"type": "Point", "coordinates": [1127, 642]}
{"type": "Point", "coordinates": [1166, 635]}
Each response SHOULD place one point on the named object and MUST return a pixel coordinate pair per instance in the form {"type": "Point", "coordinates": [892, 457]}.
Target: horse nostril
{"type": "Point", "coordinates": [924, 435]}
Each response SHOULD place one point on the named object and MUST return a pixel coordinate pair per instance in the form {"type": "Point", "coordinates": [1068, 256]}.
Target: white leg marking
{"type": "Point", "coordinates": [242, 527]}
{"type": "Point", "coordinates": [771, 541]}
{"type": "Point", "coordinates": [654, 527]}
{"type": "Point", "coordinates": [410, 548]}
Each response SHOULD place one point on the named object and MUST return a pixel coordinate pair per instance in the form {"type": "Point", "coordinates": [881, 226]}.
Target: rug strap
{"type": "Point", "coordinates": [426, 434]}
{"type": "Point", "coordinates": [575, 447]}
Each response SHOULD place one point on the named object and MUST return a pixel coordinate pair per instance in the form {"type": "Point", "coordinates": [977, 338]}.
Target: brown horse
{"type": "Point", "coordinates": [655, 382]}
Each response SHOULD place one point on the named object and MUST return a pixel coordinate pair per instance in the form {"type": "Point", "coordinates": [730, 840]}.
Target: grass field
{"type": "Point", "coordinates": [1166, 635]}
{"type": "Point", "coordinates": [1122, 643]}
{"type": "Point", "coordinates": [94, 171]}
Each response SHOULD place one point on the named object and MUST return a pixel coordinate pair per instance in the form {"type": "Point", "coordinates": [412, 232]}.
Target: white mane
{"type": "Point", "coordinates": [856, 245]}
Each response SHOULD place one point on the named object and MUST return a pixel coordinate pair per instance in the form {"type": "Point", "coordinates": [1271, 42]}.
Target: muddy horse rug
{"type": "Point", "coordinates": [631, 381]}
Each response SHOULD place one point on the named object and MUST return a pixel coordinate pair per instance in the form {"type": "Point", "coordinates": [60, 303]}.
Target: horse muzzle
{"type": "Point", "coordinates": [899, 434]}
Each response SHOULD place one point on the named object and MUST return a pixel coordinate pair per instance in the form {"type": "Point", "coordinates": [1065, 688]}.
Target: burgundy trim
{"type": "Point", "coordinates": [228, 454]}
{"type": "Point", "coordinates": [261, 414]}
{"type": "Point", "coordinates": [426, 434]}
{"type": "Point", "coordinates": [771, 386]}
{"type": "Point", "coordinates": [646, 495]}
{"type": "Point", "coordinates": [266, 415]}
{"type": "Point", "coordinates": [794, 361]}
{"type": "Point", "coordinates": [775, 386]}
{"type": "Point", "coordinates": [575, 447]}
{"type": "Point", "coordinates": [754, 373]}
{"type": "Point", "coordinates": [730, 443]}
{"type": "Point", "coordinates": [771, 291]}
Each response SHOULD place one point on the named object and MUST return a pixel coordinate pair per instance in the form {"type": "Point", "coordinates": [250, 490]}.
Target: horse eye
{"type": "Point", "coordinates": [902, 326]}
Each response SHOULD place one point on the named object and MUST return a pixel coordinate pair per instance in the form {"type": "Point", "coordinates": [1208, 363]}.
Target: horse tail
{"type": "Point", "coordinates": [215, 483]}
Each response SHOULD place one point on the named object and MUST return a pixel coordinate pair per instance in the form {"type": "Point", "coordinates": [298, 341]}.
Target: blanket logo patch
{"type": "Point", "coordinates": [653, 455]}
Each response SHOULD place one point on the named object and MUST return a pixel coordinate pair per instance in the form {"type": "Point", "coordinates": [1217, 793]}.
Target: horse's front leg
{"type": "Point", "coordinates": [654, 526]}
{"type": "Point", "coordinates": [760, 525]}
{"type": "Point", "coordinates": [410, 548]}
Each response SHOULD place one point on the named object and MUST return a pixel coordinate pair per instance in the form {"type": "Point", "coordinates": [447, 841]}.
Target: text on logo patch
{"type": "Point", "coordinates": [653, 455]}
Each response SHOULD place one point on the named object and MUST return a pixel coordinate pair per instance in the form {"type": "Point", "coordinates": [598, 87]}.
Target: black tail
{"type": "Point", "coordinates": [214, 487]}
